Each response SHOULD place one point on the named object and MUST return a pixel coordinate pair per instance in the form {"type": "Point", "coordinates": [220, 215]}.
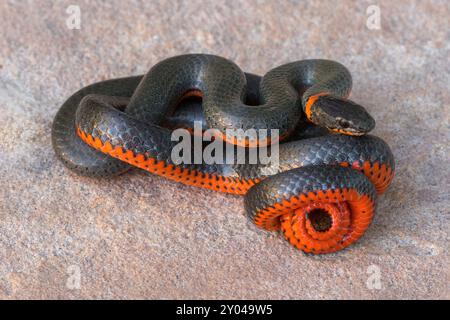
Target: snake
{"type": "Point", "coordinates": [321, 193]}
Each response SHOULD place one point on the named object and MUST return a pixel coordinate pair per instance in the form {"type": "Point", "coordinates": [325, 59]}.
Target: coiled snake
{"type": "Point", "coordinates": [322, 192]}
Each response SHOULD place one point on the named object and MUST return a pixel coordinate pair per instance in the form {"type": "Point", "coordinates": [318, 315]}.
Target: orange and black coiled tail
{"type": "Point", "coordinates": [321, 192]}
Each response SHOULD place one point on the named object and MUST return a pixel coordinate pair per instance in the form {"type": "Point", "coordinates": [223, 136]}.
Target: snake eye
{"type": "Point", "coordinates": [343, 123]}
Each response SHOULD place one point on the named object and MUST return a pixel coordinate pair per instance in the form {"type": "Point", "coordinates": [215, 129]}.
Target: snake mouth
{"type": "Point", "coordinates": [344, 127]}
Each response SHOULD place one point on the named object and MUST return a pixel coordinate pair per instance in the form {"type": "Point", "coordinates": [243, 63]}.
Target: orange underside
{"type": "Point", "coordinates": [189, 177]}
{"type": "Point", "coordinates": [351, 214]}
{"type": "Point", "coordinates": [282, 215]}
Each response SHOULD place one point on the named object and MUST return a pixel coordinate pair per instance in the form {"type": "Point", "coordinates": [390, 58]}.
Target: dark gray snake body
{"type": "Point", "coordinates": [129, 121]}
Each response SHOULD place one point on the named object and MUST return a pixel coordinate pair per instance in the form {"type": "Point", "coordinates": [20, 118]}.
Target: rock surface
{"type": "Point", "coordinates": [141, 236]}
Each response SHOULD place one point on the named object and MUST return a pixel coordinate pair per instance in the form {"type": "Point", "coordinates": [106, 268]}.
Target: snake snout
{"type": "Point", "coordinates": [341, 115]}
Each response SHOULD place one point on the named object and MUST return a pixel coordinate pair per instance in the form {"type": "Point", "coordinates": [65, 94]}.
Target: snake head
{"type": "Point", "coordinates": [340, 115]}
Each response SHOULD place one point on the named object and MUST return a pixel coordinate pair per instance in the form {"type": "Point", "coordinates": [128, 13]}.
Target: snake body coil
{"type": "Point", "coordinates": [321, 193]}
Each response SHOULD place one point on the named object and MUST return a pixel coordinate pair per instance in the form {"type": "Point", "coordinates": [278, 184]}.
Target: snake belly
{"type": "Point", "coordinates": [322, 192]}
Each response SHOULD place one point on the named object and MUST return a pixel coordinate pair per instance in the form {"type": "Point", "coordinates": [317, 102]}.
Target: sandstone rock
{"type": "Point", "coordinates": [140, 236]}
